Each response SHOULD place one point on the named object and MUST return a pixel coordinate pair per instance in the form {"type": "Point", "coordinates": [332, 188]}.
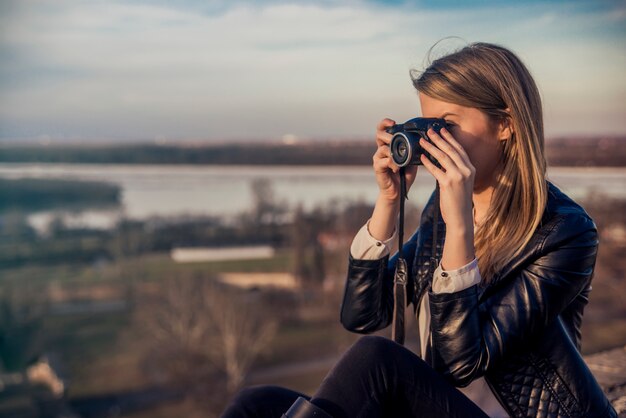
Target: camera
{"type": "Point", "coordinates": [405, 147]}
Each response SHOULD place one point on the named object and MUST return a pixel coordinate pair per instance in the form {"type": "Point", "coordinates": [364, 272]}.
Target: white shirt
{"type": "Point", "coordinates": [366, 247]}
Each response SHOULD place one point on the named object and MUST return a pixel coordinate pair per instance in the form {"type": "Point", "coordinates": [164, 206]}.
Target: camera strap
{"type": "Point", "coordinates": [401, 272]}
{"type": "Point", "coordinates": [434, 260]}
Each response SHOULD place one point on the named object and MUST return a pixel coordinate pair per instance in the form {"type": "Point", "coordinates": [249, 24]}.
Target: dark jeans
{"type": "Point", "coordinates": [376, 377]}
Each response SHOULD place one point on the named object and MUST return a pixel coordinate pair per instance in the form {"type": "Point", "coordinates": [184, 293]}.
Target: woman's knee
{"type": "Point", "coordinates": [261, 401]}
{"type": "Point", "coordinates": [383, 352]}
{"type": "Point", "coordinates": [253, 394]}
{"type": "Point", "coordinates": [246, 402]}
{"type": "Point", "coordinates": [374, 347]}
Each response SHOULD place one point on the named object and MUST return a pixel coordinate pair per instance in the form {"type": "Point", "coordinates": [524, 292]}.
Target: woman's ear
{"type": "Point", "coordinates": [505, 127]}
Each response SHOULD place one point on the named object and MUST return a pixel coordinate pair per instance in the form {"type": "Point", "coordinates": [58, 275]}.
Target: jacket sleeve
{"type": "Point", "coordinates": [367, 304]}
{"type": "Point", "coordinates": [469, 337]}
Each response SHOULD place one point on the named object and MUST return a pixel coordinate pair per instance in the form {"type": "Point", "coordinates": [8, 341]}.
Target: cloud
{"type": "Point", "coordinates": [211, 70]}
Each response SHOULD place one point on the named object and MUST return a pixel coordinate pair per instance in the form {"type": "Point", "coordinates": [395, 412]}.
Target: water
{"type": "Point", "coordinates": [174, 190]}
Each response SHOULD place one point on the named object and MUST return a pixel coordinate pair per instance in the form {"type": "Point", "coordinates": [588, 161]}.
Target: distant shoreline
{"type": "Point", "coordinates": [577, 152]}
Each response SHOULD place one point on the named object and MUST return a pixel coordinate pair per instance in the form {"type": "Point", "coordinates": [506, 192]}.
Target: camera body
{"type": "Point", "coordinates": [404, 145]}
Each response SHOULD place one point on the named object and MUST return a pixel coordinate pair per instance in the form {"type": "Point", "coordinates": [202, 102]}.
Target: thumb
{"type": "Point", "coordinates": [410, 174]}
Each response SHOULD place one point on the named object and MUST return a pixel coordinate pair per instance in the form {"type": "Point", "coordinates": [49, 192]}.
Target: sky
{"type": "Point", "coordinates": [224, 70]}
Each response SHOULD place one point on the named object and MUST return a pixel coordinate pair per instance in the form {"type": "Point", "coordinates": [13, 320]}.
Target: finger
{"type": "Point", "coordinates": [392, 166]}
{"type": "Point", "coordinates": [382, 152]}
{"type": "Point", "coordinates": [382, 137]}
{"type": "Point", "coordinates": [461, 158]}
{"type": "Point", "coordinates": [432, 168]}
{"type": "Point", "coordinates": [385, 123]}
{"type": "Point", "coordinates": [410, 173]}
{"type": "Point", "coordinates": [447, 148]}
{"type": "Point", "coordinates": [384, 165]}
{"type": "Point", "coordinates": [444, 160]}
{"type": "Point", "coordinates": [380, 165]}
{"type": "Point", "coordinates": [452, 141]}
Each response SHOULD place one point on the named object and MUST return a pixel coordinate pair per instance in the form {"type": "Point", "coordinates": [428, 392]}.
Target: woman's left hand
{"type": "Point", "coordinates": [456, 179]}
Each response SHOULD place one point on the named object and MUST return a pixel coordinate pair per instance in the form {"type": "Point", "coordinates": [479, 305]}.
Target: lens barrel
{"type": "Point", "coordinates": [405, 149]}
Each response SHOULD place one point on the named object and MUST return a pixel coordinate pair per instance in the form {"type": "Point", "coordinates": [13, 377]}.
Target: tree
{"type": "Point", "coordinates": [264, 201]}
{"type": "Point", "coordinates": [242, 333]}
{"type": "Point", "coordinates": [22, 310]}
{"type": "Point", "coordinates": [309, 260]}
{"type": "Point", "coordinates": [202, 330]}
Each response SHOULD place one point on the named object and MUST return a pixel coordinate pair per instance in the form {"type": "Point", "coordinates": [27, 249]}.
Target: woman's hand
{"type": "Point", "coordinates": [456, 180]}
{"type": "Point", "coordinates": [383, 220]}
{"type": "Point", "coordinates": [387, 173]}
{"type": "Point", "coordinates": [456, 184]}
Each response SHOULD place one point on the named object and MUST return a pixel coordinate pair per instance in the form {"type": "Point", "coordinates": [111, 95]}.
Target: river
{"type": "Point", "coordinates": [175, 190]}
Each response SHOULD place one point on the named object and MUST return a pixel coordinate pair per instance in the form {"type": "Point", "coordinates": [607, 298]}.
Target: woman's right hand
{"type": "Point", "coordinates": [387, 172]}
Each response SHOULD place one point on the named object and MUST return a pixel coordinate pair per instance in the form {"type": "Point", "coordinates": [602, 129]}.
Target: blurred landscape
{"type": "Point", "coordinates": [180, 183]}
{"type": "Point", "coordinates": [133, 285]}
{"type": "Point", "coordinates": [579, 151]}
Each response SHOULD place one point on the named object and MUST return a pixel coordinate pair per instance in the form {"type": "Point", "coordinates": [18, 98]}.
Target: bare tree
{"type": "Point", "coordinates": [242, 333]}
{"type": "Point", "coordinates": [264, 201]}
{"type": "Point", "coordinates": [202, 330]}
{"type": "Point", "coordinates": [309, 260]}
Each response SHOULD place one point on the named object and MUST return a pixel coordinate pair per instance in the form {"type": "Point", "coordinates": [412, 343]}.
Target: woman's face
{"type": "Point", "coordinates": [476, 133]}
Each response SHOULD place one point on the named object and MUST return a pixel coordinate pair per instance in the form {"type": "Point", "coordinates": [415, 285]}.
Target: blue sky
{"type": "Point", "coordinates": [229, 70]}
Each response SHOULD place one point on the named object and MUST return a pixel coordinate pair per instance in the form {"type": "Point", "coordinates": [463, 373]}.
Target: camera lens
{"type": "Point", "coordinates": [400, 149]}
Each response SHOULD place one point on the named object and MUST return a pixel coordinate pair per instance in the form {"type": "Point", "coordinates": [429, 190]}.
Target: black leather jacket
{"type": "Point", "coordinates": [521, 331]}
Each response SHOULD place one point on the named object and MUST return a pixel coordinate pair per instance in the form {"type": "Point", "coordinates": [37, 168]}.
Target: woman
{"type": "Point", "coordinates": [499, 319]}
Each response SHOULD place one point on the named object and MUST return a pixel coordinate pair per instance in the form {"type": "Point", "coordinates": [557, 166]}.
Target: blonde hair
{"type": "Point", "coordinates": [494, 80]}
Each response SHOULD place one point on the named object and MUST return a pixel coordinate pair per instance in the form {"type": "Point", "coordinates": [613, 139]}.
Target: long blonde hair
{"type": "Point", "coordinates": [494, 80]}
